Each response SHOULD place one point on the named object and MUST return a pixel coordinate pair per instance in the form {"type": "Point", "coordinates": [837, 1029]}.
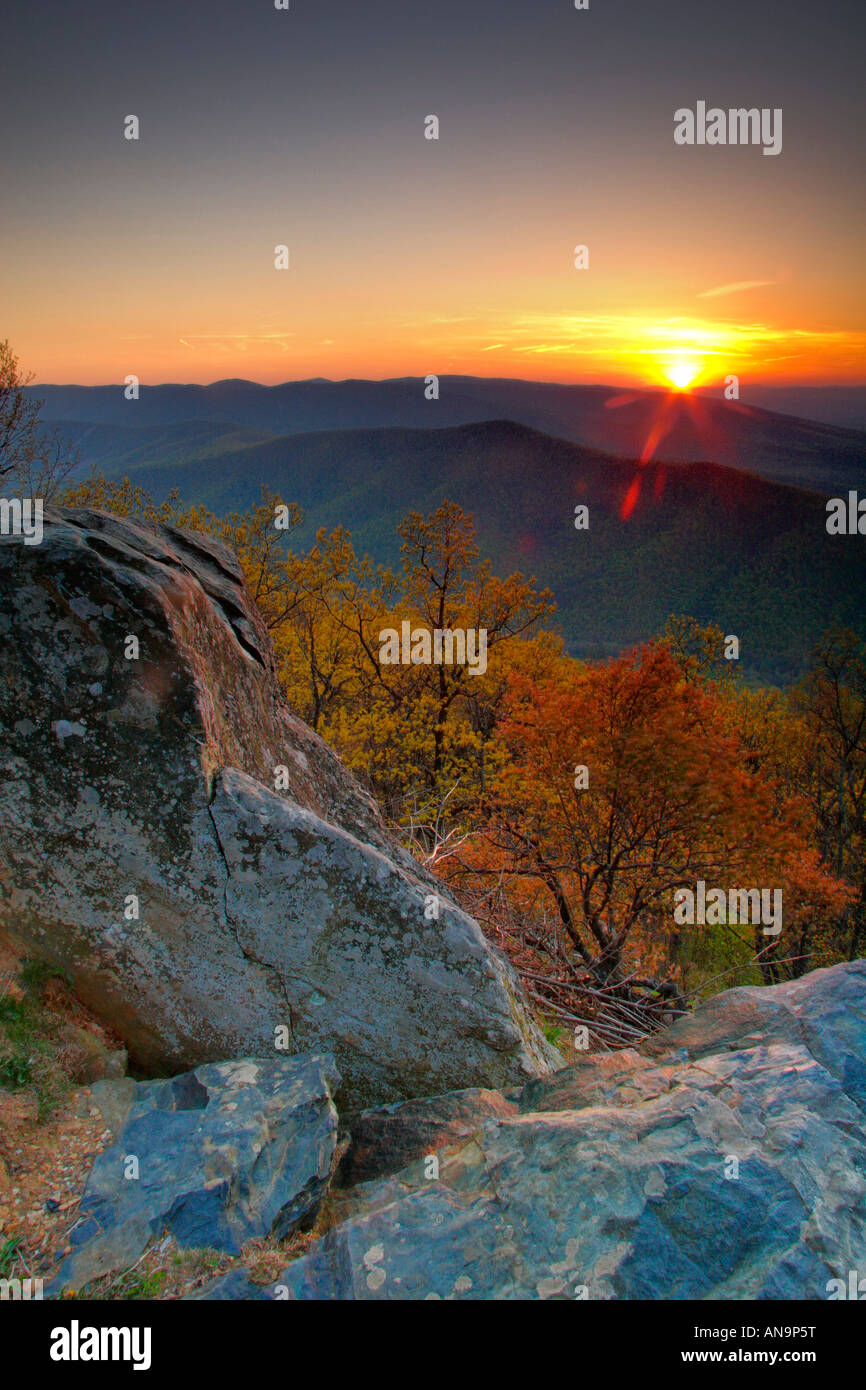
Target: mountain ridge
{"type": "Point", "coordinates": [672, 426]}
{"type": "Point", "coordinates": [722, 544]}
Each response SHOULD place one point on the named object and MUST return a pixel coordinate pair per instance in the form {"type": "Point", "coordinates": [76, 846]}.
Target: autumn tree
{"type": "Point", "coordinates": [121, 497]}
{"type": "Point", "coordinates": [34, 461]}
{"type": "Point", "coordinates": [447, 586]}
{"type": "Point", "coordinates": [422, 726]}
{"type": "Point", "coordinates": [322, 663]}
{"type": "Point", "coordinates": [699, 649]}
{"type": "Point", "coordinates": [831, 701]}
{"type": "Point", "coordinates": [621, 784]}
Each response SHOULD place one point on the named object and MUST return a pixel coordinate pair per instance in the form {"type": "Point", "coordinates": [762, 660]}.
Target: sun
{"type": "Point", "coordinates": [682, 373]}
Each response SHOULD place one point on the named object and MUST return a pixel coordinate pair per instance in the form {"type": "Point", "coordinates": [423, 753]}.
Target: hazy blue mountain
{"type": "Point", "coordinates": [834, 405]}
{"type": "Point", "coordinates": [718, 543]}
{"type": "Point", "coordinates": [802, 452]}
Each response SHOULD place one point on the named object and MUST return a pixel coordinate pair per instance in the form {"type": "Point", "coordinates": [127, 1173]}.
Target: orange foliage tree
{"type": "Point", "coordinates": [622, 783]}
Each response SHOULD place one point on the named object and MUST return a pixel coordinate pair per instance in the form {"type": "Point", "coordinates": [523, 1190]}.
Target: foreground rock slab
{"type": "Point", "coordinates": [215, 1157]}
{"type": "Point", "coordinates": [144, 849]}
{"type": "Point", "coordinates": [725, 1160]}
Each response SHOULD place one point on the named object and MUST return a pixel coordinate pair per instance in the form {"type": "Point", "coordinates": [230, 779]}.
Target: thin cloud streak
{"type": "Point", "coordinates": [734, 288]}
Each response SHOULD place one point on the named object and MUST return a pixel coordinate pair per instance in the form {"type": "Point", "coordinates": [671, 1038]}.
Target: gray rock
{"type": "Point", "coordinates": [712, 1164]}
{"type": "Point", "coordinates": [386, 1139]}
{"type": "Point", "coordinates": [223, 1154]}
{"type": "Point", "coordinates": [112, 1099]}
{"type": "Point", "coordinates": [258, 910]}
{"type": "Point", "coordinates": [406, 1004]}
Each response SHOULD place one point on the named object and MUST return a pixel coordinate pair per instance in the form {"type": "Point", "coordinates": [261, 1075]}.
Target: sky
{"type": "Point", "coordinates": [305, 127]}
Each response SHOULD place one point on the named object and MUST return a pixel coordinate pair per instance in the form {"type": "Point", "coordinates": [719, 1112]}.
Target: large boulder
{"type": "Point", "coordinates": [145, 849]}
{"type": "Point", "coordinates": [226, 1153]}
{"type": "Point", "coordinates": [724, 1160]}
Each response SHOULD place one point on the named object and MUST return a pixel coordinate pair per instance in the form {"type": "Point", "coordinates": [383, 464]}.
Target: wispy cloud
{"type": "Point", "coordinates": [237, 342]}
{"type": "Point", "coordinates": [236, 337]}
{"type": "Point", "coordinates": [734, 288]}
{"type": "Point", "coordinates": [640, 344]}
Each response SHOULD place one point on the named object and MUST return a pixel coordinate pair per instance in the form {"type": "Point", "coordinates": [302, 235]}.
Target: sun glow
{"type": "Point", "coordinates": [682, 373]}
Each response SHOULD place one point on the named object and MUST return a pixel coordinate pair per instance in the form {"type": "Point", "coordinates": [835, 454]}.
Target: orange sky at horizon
{"type": "Point", "coordinates": [626, 349]}
{"type": "Point", "coordinates": [624, 321]}
{"type": "Point", "coordinates": [452, 295]}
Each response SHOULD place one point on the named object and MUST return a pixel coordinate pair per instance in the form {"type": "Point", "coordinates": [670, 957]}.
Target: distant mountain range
{"type": "Point", "coordinates": [834, 405]}
{"type": "Point", "coordinates": [718, 543]}
{"type": "Point", "coordinates": [174, 423]}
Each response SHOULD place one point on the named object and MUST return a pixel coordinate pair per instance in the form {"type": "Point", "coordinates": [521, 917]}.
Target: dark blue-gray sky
{"type": "Point", "coordinates": [306, 127]}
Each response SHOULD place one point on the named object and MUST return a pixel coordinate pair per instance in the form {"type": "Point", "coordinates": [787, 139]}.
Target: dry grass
{"type": "Point", "coordinates": [48, 1139]}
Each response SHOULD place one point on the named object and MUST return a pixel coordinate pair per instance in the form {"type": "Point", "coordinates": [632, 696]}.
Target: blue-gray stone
{"type": "Point", "coordinates": [726, 1159]}
{"type": "Point", "coordinates": [224, 1153]}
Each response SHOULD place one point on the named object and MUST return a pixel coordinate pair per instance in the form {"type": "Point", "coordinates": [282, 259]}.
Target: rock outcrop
{"type": "Point", "coordinates": [724, 1160]}
{"type": "Point", "coordinates": [213, 1158]}
{"type": "Point", "coordinates": [201, 912]}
